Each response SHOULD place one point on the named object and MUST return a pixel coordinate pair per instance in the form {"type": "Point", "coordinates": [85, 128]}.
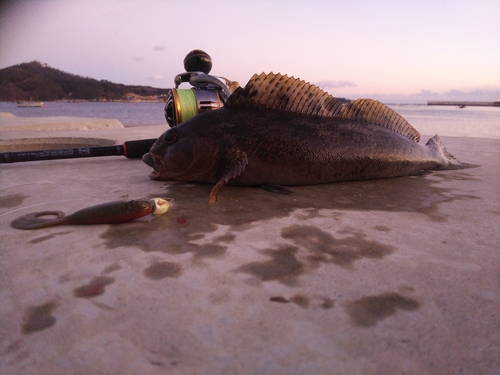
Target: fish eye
{"type": "Point", "coordinates": [170, 137]}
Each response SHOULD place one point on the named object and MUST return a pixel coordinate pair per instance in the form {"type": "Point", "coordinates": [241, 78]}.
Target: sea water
{"type": "Point", "coordinates": [476, 122]}
{"type": "Point", "coordinates": [129, 114]}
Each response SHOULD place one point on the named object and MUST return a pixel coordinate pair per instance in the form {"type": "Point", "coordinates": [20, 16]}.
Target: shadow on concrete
{"type": "Point", "coordinates": [191, 217]}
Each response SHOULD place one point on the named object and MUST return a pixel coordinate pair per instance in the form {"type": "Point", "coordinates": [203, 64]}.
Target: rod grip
{"type": "Point", "coordinates": [135, 149]}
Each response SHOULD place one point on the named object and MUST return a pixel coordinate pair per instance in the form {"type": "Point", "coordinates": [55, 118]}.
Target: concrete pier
{"type": "Point", "coordinates": [465, 103]}
{"type": "Point", "coordinates": [395, 276]}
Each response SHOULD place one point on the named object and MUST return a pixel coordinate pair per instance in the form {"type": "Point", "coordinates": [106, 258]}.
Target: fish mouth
{"type": "Point", "coordinates": [156, 163]}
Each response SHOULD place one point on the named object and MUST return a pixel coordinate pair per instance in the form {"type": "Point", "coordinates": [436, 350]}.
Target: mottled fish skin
{"type": "Point", "coordinates": [251, 145]}
{"type": "Point", "coordinates": [106, 213]}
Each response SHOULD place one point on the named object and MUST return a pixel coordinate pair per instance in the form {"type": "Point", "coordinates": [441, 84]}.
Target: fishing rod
{"type": "Point", "coordinates": [130, 149]}
{"type": "Point", "coordinates": [208, 93]}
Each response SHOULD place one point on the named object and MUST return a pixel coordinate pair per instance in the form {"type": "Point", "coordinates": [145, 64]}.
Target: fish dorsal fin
{"type": "Point", "coordinates": [375, 112]}
{"type": "Point", "coordinates": [276, 91]}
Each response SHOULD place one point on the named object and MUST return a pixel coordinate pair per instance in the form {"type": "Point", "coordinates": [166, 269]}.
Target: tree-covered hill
{"type": "Point", "coordinates": [39, 82]}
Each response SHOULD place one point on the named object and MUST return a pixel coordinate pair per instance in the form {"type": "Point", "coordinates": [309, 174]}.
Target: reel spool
{"type": "Point", "coordinates": [181, 104]}
{"type": "Point", "coordinates": [208, 92]}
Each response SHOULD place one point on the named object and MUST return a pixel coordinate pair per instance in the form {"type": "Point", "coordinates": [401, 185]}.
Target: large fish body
{"type": "Point", "coordinates": [272, 135]}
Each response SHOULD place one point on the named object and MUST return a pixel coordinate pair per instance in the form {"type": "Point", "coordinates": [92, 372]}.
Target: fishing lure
{"type": "Point", "coordinates": [107, 213]}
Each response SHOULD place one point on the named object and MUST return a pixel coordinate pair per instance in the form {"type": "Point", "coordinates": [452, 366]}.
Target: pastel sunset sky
{"type": "Point", "coordinates": [393, 51]}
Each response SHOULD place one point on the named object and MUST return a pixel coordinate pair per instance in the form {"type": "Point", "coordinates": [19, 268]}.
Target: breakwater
{"type": "Point", "coordinates": [465, 104]}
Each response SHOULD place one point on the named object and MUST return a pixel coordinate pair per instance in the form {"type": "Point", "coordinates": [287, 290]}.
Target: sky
{"type": "Point", "coordinates": [396, 51]}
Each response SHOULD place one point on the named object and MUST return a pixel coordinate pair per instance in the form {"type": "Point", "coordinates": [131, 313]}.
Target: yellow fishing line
{"type": "Point", "coordinates": [187, 106]}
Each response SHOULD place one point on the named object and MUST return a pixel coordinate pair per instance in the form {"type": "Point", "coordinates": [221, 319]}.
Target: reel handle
{"type": "Point", "coordinates": [200, 79]}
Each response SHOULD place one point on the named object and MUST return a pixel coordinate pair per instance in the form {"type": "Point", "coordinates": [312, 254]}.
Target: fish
{"type": "Point", "coordinates": [282, 131]}
{"type": "Point", "coordinates": [107, 213]}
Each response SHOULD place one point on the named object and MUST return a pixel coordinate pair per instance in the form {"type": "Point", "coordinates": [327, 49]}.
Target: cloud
{"type": "Point", "coordinates": [329, 84]}
{"type": "Point", "coordinates": [485, 95]}
{"type": "Point", "coordinates": [159, 47]}
{"type": "Point", "coordinates": [157, 77]}
{"type": "Point", "coordinates": [137, 58]}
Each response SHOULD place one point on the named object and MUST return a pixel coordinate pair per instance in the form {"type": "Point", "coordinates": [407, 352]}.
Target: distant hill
{"type": "Point", "coordinates": [40, 82]}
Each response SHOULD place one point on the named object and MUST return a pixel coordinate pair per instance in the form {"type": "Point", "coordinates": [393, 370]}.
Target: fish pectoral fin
{"type": "Point", "coordinates": [276, 189]}
{"type": "Point", "coordinates": [236, 162]}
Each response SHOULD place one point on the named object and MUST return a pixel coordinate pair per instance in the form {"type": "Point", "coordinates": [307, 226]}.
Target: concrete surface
{"type": "Point", "coordinates": [397, 276]}
{"type": "Point", "coordinates": [62, 123]}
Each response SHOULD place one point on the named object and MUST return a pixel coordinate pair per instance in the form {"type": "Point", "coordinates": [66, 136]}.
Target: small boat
{"type": "Point", "coordinates": [31, 104]}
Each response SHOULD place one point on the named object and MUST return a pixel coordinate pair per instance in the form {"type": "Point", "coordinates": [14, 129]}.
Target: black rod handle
{"type": "Point", "coordinates": [135, 149]}
{"type": "Point", "coordinates": [131, 149]}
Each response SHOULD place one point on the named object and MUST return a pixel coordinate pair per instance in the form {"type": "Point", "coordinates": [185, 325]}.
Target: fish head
{"type": "Point", "coordinates": [183, 154]}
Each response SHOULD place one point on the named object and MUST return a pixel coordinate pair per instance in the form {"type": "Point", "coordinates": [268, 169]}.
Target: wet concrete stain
{"type": "Point", "coordinates": [328, 303]}
{"type": "Point", "coordinates": [161, 270]}
{"type": "Point", "coordinates": [225, 238]}
{"type": "Point", "coordinates": [368, 311]}
{"type": "Point", "coordinates": [165, 235]}
{"type": "Point", "coordinates": [324, 248]}
{"type": "Point", "coordinates": [241, 207]}
{"type": "Point", "coordinates": [38, 318]}
{"type": "Point", "coordinates": [289, 262]}
{"type": "Point", "coordinates": [50, 236]}
{"type": "Point", "coordinates": [300, 300]}
{"type": "Point", "coordinates": [12, 200]}
{"type": "Point", "coordinates": [93, 289]}
{"type": "Point", "coordinates": [68, 276]}
{"type": "Point", "coordinates": [219, 297]}
{"type": "Point", "coordinates": [16, 353]}
{"type": "Point", "coordinates": [458, 176]}
{"type": "Point", "coordinates": [156, 363]}
{"type": "Point", "coordinates": [211, 251]}
{"type": "Point", "coordinates": [310, 214]}
{"type": "Point", "coordinates": [283, 266]}
{"type": "Point", "coordinates": [406, 288]}
{"type": "Point", "coordinates": [381, 228]}
{"type": "Point", "coordinates": [279, 299]}
{"type": "Point", "coordinates": [112, 267]}
{"type": "Point", "coordinates": [182, 221]}
{"type": "Point", "coordinates": [64, 278]}
{"type": "Point", "coordinates": [15, 346]}
{"type": "Point", "coordinates": [305, 302]}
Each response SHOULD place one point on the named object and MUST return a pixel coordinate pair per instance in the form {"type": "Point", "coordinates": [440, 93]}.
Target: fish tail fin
{"type": "Point", "coordinates": [450, 161]}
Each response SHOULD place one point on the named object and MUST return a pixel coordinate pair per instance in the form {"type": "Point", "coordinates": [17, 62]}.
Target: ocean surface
{"type": "Point", "coordinates": [129, 114]}
{"type": "Point", "coordinates": [476, 122]}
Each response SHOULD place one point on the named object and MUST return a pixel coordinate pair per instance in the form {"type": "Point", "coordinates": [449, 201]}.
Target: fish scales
{"type": "Point", "coordinates": [316, 150]}
{"type": "Point", "coordinates": [277, 137]}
